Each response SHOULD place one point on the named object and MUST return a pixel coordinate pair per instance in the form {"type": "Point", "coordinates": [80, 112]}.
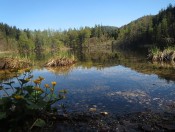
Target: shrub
{"type": "Point", "coordinates": [27, 105]}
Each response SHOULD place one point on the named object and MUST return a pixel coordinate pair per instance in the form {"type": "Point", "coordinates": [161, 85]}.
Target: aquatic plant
{"type": "Point", "coordinates": [28, 105]}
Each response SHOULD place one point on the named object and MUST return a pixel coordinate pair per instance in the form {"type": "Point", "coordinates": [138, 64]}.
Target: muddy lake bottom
{"type": "Point", "coordinates": [140, 121]}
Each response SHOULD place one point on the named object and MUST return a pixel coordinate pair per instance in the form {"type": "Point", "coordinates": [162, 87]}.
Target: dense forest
{"type": "Point", "coordinates": [12, 38]}
{"type": "Point", "coordinates": [158, 30]}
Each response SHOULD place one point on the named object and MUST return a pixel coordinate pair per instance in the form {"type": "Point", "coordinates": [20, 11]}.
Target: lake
{"type": "Point", "coordinates": [113, 81]}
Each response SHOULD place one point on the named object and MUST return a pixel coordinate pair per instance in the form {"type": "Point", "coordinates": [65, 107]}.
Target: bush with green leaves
{"type": "Point", "coordinates": [28, 104]}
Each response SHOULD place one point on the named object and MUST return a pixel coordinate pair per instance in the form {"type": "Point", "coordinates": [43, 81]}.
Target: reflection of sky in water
{"type": "Point", "coordinates": [116, 89]}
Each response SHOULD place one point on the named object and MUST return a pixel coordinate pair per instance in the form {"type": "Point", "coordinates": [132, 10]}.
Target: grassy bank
{"type": "Point", "coordinates": [167, 54]}
{"type": "Point", "coordinates": [13, 63]}
{"type": "Point", "coordinates": [60, 61]}
{"type": "Point", "coordinates": [11, 60]}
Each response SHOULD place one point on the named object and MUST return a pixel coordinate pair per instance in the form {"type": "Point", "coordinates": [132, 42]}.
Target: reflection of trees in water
{"type": "Point", "coordinates": [132, 59]}
{"type": "Point", "coordinates": [39, 58]}
{"type": "Point", "coordinates": [6, 75]}
{"type": "Point", "coordinates": [108, 56]}
{"type": "Point", "coordinates": [101, 56]}
{"type": "Point", "coordinates": [170, 64]}
{"type": "Point", "coordinates": [141, 64]}
{"type": "Point", "coordinates": [63, 70]}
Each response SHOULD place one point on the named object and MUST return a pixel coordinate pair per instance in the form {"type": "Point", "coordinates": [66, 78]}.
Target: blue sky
{"type": "Point", "coordinates": [64, 14]}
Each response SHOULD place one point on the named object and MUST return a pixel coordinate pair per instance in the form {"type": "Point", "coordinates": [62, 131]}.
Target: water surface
{"type": "Point", "coordinates": [113, 82]}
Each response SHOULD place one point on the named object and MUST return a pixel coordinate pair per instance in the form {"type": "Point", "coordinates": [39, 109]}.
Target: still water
{"type": "Point", "coordinates": [115, 83]}
{"type": "Point", "coordinates": [116, 89]}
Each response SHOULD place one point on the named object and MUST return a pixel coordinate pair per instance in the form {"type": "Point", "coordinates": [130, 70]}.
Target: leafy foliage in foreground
{"type": "Point", "coordinates": [27, 105]}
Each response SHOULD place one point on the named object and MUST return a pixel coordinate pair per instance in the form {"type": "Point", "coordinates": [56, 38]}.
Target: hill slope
{"type": "Point", "coordinates": [149, 30]}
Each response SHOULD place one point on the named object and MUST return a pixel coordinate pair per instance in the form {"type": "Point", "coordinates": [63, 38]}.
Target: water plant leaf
{"type": "Point", "coordinates": [7, 88]}
{"type": "Point", "coordinates": [1, 101]}
{"type": "Point", "coordinates": [33, 106]}
{"type": "Point", "coordinates": [29, 89]}
{"type": "Point", "coordinates": [39, 105]}
{"type": "Point", "coordinates": [5, 100]}
{"type": "Point", "coordinates": [23, 81]}
{"type": "Point", "coordinates": [26, 96]}
{"type": "Point", "coordinates": [10, 83]}
{"type": "Point", "coordinates": [2, 115]}
{"type": "Point", "coordinates": [36, 93]}
{"type": "Point", "coordinates": [54, 96]}
{"type": "Point", "coordinates": [39, 123]}
{"type": "Point", "coordinates": [1, 87]}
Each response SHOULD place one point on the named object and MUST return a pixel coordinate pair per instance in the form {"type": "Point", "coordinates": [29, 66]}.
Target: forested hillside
{"type": "Point", "coordinates": [158, 30]}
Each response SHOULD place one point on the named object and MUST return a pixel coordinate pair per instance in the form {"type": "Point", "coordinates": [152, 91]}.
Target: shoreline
{"type": "Point", "coordinates": [137, 121]}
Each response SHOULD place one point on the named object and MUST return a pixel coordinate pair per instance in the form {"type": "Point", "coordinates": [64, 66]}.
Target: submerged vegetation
{"type": "Point", "coordinates": [27, 105]}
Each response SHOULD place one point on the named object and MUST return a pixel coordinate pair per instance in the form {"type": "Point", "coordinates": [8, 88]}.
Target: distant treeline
{"type": "Point", "coordinates": [12, 38]}
{"type": "Point", "coordinates": [158, 30]}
